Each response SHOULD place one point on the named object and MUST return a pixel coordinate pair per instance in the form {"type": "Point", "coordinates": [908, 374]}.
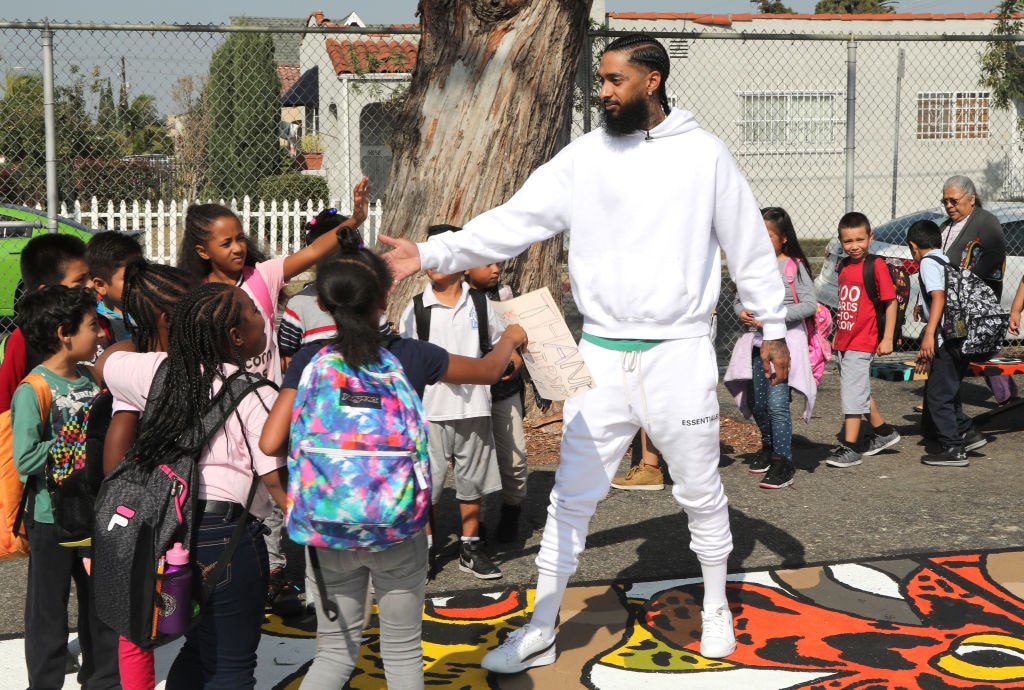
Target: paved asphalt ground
{"type": "Point", "coordinates": [890, 505]}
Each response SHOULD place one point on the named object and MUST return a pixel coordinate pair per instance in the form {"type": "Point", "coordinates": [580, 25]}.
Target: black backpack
{"type": "Point", "coordinates": [422, 315]}
{"type": "Point", "coordinates": [74, 469]}
{"type": "Point", "coordinates": [900, 281]}
{"type": "Point", "coordinates": [141, 511]}
{"type": "Point", "coordinates": [973, 314]}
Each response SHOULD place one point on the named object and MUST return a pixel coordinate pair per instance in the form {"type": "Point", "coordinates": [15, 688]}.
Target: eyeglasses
{"type": "Point", "coordinates": [951, 201]}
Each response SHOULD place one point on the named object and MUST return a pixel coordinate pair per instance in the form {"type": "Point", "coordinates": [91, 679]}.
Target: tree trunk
{"type": "Point", "coordinates": [490, 101]}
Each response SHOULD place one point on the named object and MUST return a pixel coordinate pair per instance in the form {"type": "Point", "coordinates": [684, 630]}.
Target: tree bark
{"type": "Point", "coordinates": [490, 101]}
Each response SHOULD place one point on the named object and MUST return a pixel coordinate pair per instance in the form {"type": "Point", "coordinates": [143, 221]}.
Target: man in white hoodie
{"type": "Point", "coordinates": [649, 199]}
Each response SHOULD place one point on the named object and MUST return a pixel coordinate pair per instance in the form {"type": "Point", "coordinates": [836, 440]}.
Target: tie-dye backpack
{"type": "Point", "coordinates": [358, 472]}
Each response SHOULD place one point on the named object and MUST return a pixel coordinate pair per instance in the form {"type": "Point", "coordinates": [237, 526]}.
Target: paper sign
{"type": "Point", "coordinates": [552, 356]}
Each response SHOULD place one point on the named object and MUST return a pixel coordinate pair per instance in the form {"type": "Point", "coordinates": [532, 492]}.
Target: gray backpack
{"type": "Point", "coordinates": [141, 510]}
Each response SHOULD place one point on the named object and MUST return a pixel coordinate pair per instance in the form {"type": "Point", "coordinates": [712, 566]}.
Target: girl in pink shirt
{"type": "Point", "coordinates": [214, 248]}
{"type": "Point", "coordinates": [214, 330]}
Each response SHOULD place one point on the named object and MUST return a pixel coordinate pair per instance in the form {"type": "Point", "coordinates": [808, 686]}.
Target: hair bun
{"type": "Point", "coordinates": [349, 240]}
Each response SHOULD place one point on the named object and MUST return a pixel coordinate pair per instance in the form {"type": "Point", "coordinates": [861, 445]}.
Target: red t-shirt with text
{"type": "Point", "coordinates": [856, 326]}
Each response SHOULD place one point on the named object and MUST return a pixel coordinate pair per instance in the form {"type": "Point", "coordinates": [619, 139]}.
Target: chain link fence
{"type": "Point", "coordinates": [278, 120]}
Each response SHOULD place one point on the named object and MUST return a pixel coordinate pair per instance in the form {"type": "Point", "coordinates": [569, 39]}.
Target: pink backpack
{"type": "Point", "coordinates": [819, 328]}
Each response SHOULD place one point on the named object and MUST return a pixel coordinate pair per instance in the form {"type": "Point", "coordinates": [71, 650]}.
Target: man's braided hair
{"type": "Point", "coordinates": [647, 51]}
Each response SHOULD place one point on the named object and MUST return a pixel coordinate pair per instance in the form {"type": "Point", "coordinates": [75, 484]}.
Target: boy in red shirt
{"type": "Point", "coordinates": [858, 340]}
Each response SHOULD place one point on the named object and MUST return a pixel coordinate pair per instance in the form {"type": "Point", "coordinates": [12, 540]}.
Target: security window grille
{"type": "Point", "coordinates": [952, 115]}
{"type": "Point", "coordinates": [791, 119]}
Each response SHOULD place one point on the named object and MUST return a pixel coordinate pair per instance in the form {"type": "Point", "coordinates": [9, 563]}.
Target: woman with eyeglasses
{"type": "Point", "coordinates": [973, 238]}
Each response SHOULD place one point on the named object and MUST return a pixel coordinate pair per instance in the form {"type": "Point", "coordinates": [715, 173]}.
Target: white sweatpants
{"type": "Point", "coordinates": [670, 391]}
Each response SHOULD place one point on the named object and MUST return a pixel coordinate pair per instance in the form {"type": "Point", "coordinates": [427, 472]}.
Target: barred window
{"type": "Point", "coordinates": [952, 115]}
{"type": "Point", "coordinates": [794, 118]}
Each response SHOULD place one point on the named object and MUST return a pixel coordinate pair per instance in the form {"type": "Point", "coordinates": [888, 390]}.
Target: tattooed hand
{"type": "Point", "coordinates": [775, 358]}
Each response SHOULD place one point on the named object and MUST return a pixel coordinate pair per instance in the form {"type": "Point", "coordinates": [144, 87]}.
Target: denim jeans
{"type": "Point", "coordinates": [220, 652]}
{"type": "Point", "coordinates": [770, 406]}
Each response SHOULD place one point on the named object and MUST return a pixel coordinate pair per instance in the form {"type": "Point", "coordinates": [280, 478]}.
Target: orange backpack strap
{"type": "Point", "coordinates": [43, 393]}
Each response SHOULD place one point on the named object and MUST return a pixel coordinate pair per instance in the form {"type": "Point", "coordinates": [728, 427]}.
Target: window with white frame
{"type": "Point", "coordinates": [803, 119]}
{"type": "Point", "coordinates": [952, 114]}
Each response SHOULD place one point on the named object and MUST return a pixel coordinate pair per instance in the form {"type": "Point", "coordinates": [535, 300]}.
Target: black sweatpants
{"type": "Point", "coordinates": [51, 568]}
{"type": "Point", "coordinates": [944, 416]}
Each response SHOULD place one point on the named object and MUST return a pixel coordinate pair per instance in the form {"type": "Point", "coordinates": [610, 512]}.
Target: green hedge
{"type": "Point", "coordinates": [294, 187]}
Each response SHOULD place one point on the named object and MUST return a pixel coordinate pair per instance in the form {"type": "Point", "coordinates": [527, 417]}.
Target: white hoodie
{"type": "Point", "coordinates": [647, 218]}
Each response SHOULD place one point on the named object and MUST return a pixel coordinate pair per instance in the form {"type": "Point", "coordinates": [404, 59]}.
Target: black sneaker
{"type": "Point", "coordinates": [472, 559]}
{"type": "Point", "coordinates": [974, 439]}
{"type": "Point", "coordinates": [71, 664]}
{"type": "Point", "coordinates": [508, 525]}
{"type": "Point", "coordinates": [283, 595]}
{"type": "Point", "coordinates": [949, 456]}
{"type": "Point", "coordinates": [761, 462]}
{"type": "Point", "coordinates": [780, 474]}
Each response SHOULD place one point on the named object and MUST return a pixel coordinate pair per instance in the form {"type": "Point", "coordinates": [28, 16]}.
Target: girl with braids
{"type": "Point", "coordinates": [214, 330]}
{"type": "Point", "coordinates": [750, 385]}
{"type": "Point", "coordinates": [353, 288]}
{"type": "Point", "coordinates": [214, 248]}
{"type": "Point", "coordinates": [150, 293]}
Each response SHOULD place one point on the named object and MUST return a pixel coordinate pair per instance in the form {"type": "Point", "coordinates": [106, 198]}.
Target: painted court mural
{"type": "Point", "coordinates": [931, 622]}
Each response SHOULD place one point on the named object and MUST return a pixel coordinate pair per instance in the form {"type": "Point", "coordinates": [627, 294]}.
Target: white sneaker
{"type": "Point", "coordinates": [717, 638]}
{"type": "Point", "coordinates": [522, 649]}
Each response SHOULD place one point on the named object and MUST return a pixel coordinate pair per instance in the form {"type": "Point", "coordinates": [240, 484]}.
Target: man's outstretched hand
{"type": "Point", "coordinates": [404, 257]}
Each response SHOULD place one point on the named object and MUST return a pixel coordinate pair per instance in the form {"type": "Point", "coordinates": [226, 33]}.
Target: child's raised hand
{"type": "Point", "coordinates": [361, 200]}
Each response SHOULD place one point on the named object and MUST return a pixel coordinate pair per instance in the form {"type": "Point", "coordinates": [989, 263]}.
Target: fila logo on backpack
{"type": "Point", "coordinates": [358, 472]}
{"type": "Point", "coordinates": [144, 507]}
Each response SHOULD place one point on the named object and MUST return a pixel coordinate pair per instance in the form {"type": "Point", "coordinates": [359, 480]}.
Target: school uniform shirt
{"type": "Point", "coordinates": [423, 363]}
{"type": "Point", "coordinates": [33, 437]}
{"type": "Point", "coordinates": [933, 277]}
{"type": "Point", "coordinates": [455, 330]}
{"type": "Point", "coordinates": [225, 465]}
{"type": "Point", "coordinates": [856, 328]}
{"type": "Point", "coordinates": [269, 362]}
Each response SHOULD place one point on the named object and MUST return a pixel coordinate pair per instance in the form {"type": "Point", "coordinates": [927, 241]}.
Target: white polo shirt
{"type": "Point", "coordinates": [454, 329]}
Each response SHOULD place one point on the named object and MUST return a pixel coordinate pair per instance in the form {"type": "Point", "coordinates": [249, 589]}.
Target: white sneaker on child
{"type": "Point", "coordinates": [522, 649]}
{"type": "Point", "coordinates": [717, 638]}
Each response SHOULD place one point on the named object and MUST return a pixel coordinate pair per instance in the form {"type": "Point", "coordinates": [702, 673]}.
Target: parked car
{"type": "Point", "coordinates": [891, 240]}
{"type": "Point", "coordinates": [13, 239]}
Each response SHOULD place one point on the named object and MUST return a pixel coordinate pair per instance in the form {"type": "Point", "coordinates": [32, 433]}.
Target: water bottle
{"type": "Point", "coordinates": [175, 593]}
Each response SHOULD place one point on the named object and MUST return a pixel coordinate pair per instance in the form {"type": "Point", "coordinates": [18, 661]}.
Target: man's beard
{"type": "Point", "coordinates": [632, 116]}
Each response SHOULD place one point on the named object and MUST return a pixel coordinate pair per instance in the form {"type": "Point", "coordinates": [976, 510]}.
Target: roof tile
{"type": "Point", "coordinates": [374, 56]}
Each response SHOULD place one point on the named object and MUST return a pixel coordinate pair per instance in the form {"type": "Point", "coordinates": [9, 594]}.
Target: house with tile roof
{"type": "Point", "coordinates": [361, 78]}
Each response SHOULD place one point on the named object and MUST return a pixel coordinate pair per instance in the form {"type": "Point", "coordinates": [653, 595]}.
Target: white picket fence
{"type": "Point", "coordinates": [276, 225]}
